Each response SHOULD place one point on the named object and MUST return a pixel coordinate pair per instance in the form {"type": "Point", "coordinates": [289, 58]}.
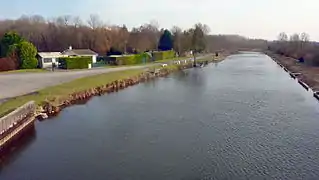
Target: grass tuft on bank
{"type": "Point", "coordinates": [54, 93]}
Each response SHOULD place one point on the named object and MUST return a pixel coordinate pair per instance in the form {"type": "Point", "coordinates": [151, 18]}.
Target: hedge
{"type": "Point", "coordinates": [142, 58]}
{"type": "Point", "coordinates": [160, 55]}
{"type": "Point", "coordinates": [75, 62]}
{"type": "Point", "coordinates": [132, 59]}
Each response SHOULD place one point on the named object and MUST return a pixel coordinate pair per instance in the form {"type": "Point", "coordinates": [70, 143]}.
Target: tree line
{"type": "Point", "coordinates": [298, 46]}
{"type": "Point", "coordinates": [57, 34]}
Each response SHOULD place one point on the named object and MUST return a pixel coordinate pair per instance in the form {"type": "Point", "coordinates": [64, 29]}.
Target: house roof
{"type": "Point", "coordinates": [79, 52]}
{"type": "Point", "coordinates": [50, 54]}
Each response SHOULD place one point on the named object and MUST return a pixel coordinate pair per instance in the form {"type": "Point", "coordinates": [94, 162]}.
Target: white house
{"type": "Point", "coordinates": [81, 52]}
{"type": "Point", "coordinates": [47, 58]}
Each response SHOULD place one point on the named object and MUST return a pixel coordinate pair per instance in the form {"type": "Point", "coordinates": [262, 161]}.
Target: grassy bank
{"type": "Point", "coordinates": [61, 91]}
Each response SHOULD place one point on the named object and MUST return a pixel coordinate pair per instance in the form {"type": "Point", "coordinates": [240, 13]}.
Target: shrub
{"type": "Point", "coordinates": [27, 53]}
{"type": "Point", "coordinates": [30, 63]}
{"type": "Point", "coordinates": [75, 62]}
{"type": "Point", "coordinates": [160, 55]}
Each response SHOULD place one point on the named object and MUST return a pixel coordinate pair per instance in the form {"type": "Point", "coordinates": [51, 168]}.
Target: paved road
{"type": "Point", "coordinates": [17, 84]}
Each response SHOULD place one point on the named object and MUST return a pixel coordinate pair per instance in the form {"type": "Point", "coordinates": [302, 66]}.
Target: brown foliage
{"type": "Point", "coordinates": [59, 33]}
{"type": "Point", "coordinates": [8, 63]}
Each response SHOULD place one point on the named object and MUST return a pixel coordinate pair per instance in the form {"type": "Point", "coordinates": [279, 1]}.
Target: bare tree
{"type": "Point", "coordinates": [154, 23]}
{"type": "Point", "coordinates": [37, 19]}
{"type": "Point", "coordinates": [205, 28]}
{"type": "Point", "coordinates": [94, 21]}
{"type": "Point", "coordinates": [67, 20]}
{"type": "Point", "coordinates": [177, 38]}
{"type": "Point", "coordinates": [56, 34]}
{"type": "Point", "coordinates": [63, 20]}
{"type": "Point", "coordinates": [283, 36]}
{"type": "Point", "coordinates": [294, 37]}
{"type": "Point", "coordinates": [76, 21]}
{"type": "Point", "coordinates": [304, 37]}
{"type": "Point", "coordinates": [198, 37]}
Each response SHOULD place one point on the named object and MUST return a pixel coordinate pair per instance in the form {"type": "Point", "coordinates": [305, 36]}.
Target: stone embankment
{"type": "Point", "coordinates": [49, 109]}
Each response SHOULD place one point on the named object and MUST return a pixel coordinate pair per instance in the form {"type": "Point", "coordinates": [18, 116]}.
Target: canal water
{"type": "Point", "coordinates": [243, 118]}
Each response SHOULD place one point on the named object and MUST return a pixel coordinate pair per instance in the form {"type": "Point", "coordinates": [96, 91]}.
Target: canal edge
{"type": "Point", "coordinates": [295, 75]}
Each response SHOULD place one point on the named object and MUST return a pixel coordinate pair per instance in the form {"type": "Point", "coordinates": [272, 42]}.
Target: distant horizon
{"type": "Point", "coordinates": [253, 19]}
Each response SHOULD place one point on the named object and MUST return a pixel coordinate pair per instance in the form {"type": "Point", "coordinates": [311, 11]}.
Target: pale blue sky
{"type": "Point", "coordinates": [252, 18]}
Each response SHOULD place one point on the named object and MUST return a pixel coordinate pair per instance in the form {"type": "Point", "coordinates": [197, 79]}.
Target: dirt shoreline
{"type": "Point", "coordinates": [308, 74]}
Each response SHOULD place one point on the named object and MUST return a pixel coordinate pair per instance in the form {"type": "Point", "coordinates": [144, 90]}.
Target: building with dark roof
{"type": "Point", "coordinates": [80, 52]}
{"type": "Point", "coordinates": [46, 59]}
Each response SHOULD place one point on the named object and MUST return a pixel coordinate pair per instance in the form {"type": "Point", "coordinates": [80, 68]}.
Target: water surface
{"type": "Point", "coordinates": [243, 118]}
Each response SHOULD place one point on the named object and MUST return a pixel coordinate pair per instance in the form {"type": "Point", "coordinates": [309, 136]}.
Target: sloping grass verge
{"type": "Point", "coordinates": [55, 93]}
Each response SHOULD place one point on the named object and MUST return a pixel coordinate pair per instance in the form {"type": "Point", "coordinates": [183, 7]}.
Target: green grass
{"type": "Point", "coordinates": [24, 71]}
{"type": "Point", "coordinates": [56, 93]}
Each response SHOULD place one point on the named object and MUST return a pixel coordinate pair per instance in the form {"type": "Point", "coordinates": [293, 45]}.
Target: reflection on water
{"type": "Point", "coordinates": [17, 146]}
{"type": "Point", "coordinates": [150, 83]}
{"type": "Point", "coordinates": [243, 119]}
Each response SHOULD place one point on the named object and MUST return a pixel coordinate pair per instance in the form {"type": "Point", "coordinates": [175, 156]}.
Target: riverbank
{"type": "Point", "coordinates": [57, 92]}
{"type": "Point", "coordinates": [308, 74]}
{"type": "Point", "coordinates": [175, 127]}
{"type": "Point", "coordinates": [52, 107]}
{"type": "Point", "coordinates": [19, 84]}
{"type": "Point", "coordinates": [52, 100]}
